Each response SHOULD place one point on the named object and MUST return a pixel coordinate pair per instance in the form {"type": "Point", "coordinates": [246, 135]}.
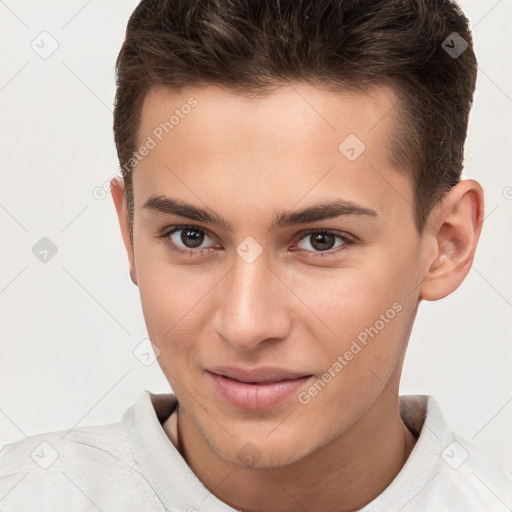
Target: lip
{"type": "Point", "coordinates": [257, 388]}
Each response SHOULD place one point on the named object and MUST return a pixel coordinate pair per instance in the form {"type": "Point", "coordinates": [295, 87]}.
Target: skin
{"type": "Point", "coordinates": [248, 160]}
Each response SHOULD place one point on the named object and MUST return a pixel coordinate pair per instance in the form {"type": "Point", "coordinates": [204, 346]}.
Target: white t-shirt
{"type": "Point", "coordinates": [132, 466]}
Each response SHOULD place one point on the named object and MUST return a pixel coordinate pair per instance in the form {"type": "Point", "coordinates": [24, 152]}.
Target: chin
{"type": "Point", "coordinates": [261, 451]}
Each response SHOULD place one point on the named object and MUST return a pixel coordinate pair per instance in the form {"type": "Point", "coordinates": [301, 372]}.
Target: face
{"type": "Point", "coordinates": [277, 259]}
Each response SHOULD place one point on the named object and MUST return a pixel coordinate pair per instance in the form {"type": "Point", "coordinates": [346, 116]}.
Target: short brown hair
{"type": "Point", "coordinates": [249, 46]}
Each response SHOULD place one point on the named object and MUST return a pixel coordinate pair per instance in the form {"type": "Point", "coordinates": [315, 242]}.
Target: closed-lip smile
{"type": "Point", "coordinates": [256, 388]}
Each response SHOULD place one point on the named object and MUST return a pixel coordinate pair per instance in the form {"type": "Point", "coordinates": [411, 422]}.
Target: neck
{"type": "Point", "coordinates": [343, 475]}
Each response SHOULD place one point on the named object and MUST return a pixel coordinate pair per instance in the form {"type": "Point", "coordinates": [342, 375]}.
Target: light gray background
{"type": "Point", "coordinates": [68, 326]}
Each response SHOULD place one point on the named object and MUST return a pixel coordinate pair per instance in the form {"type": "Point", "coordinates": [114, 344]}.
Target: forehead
{"type": "Point", "coordinates": [302, 109]}
{"type": "Point", "coordinates": [294, 143]}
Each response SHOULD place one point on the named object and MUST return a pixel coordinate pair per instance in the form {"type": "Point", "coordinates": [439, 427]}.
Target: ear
{"type": "Point", "coordinates": [454, 229]}
{"type": "Point", "coordinates": [117, 191]}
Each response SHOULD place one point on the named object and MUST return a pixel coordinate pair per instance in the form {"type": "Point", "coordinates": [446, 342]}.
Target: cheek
{"type": "Point", "coordinates": [167, 313]}
{"type": "Point", "coordinates": [166, 289]}
{"type": "Point", "coordinates": [174, 300]}
{"type": "Point", "coordinates": [365, 310]}
{"type": "Point", "coordinates": [371, 334]}
{"type": "Point", "coordinates": [348, 299]}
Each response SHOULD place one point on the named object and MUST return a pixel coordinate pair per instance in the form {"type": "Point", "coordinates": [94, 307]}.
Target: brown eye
{"type": "Point", "coordinates": [192, 238]}
{"type": "Point", "coordinates": [187, 239]}
{"type": "Point", "coordinates": [323, 241]}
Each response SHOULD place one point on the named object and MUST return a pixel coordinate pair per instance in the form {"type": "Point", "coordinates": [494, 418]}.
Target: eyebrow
{"type": "Point", "coordinates": [322, 211]}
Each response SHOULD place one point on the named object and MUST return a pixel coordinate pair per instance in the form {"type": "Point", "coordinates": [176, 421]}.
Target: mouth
{"type": "Point", "coordinates": [258, 388]}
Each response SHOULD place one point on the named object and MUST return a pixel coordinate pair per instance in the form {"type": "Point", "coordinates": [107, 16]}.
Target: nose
{"type": "Point", "coordinates": [254, 305]}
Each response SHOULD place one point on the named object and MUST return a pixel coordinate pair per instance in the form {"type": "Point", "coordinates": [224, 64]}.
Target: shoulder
{"type": "Point", "coordinates": [473, 477]}
{"type": "Point", "coordinates": [73, 468]}
{"type": "Point", "coordinates": [64, 448]}
{"type": "Point", "coordinates": [465, 469]}
{"type": "Point", "coordinates": [444, 472]}
{"type": "Point", "coordinates": [464, 476]}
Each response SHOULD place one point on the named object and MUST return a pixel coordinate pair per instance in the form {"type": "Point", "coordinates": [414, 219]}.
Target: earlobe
{"type": "Point", "coordinates": [459, 220]}
{"type": "Point", "coordinates": [118, 196]}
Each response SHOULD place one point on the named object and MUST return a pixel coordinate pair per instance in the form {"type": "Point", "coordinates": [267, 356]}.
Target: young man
{"type": "Point", "coordinates": [291, 193]}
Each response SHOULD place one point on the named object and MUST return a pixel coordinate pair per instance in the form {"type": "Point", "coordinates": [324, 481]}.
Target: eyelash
{"type": "Point", "coordinates": [165, 239]}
